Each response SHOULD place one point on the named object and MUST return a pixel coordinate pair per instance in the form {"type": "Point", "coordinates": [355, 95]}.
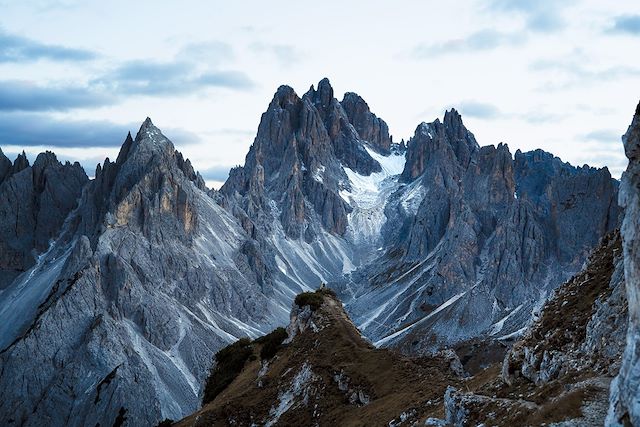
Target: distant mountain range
{"type": "Point", "coordinates": [116, 292]}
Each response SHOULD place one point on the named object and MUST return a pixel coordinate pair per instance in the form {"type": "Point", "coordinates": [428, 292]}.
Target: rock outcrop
{"type": "Point", "coordinates": [625, 390]}
{"type": "Point", "coordinates": [35, 203]}
{"type": "Point", "coordinates": [370, 127]}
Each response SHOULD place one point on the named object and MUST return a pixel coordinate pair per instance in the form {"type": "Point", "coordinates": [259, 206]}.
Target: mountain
{"type": "Point", "coordinates": [147, 279]}
{"type": "Point", "coordinates": [433, 244]}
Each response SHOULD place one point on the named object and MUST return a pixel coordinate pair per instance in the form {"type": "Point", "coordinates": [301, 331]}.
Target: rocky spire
{"type": "Point", "coordinates": [42, 195]}
{"type": "Point", "coordinates": [369, 127]}
{"type": "Point", "coordinates": [20, 163]}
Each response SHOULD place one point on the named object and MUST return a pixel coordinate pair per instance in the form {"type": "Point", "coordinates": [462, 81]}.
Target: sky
{"type": "Point", "coordinates": [75, 76]}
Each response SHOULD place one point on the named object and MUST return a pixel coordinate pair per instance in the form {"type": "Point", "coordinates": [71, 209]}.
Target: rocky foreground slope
{"type": "Point", "coordinates": [326, 373]}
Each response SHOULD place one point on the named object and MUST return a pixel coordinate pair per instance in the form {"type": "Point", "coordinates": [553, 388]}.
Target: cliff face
{"type": "Point", "coordinates": [297, 161]}
{"type": "Point", "coordinates": [35, 202]}
{"type": "Point", "coordinates": [625, 391]}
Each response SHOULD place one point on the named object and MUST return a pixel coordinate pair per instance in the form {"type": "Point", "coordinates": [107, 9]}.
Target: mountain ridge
{"type": "Point", "coordinates": [152, 273]}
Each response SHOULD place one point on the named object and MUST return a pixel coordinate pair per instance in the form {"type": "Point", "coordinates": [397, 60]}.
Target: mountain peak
{"type": "Point", "coordinates": [21, 162]}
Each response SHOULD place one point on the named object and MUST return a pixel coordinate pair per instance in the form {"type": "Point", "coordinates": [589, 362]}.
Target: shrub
{"type": "Point", "coordinates": [229, 363]}
{"type": "Point", "coordinates": [312, 299]}
{"type": "Point", "coordinates": [271, 343]}
{"type": "Point", "coordinates": [327, 292]}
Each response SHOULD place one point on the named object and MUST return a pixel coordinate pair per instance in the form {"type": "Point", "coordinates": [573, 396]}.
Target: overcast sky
{"type": "Point", "coordinates": [75, 76]}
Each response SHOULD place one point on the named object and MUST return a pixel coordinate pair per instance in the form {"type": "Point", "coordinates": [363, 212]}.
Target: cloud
{"type": "Point", "coordinates": [603, 136]}
{"type": "Point", "coordinates": [216, 173]}
{"type": "Point", "coordinates": [626, 24]}
{"type": "Point", "coordinates": [209, 52]}
{"type": "Point", "coordinates": [35, 129]}
{"type": "Point", "coordinates": [479, 110]}
{"type": "Point", "coordinates": [168, 78]}
{"type": "Point", "coordinates": [38, 129]}
{"type": "Point", "coordinates": [284, 53]}
{"type": "Point", "coordinates": [574, 68]}
{"type": "Point", "coordinates": [479, 41]}
{"type": "Point", "coordinates": [21, 49]}
{"type": "Point", "coordinates": [539, 15]}
{"type": "Point", "coordinates": [27, 96]}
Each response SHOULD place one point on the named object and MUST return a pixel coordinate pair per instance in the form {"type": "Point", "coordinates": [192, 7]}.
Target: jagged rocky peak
{"type": "Point", "coordinates": [35, 202]}
{"type": "Point", "coordinates": [149, 278]}
{"type": "Point", "coordinates": [570, 195]}
{"type": "Point", "coordinates": [20, 163]}
{"type": "Point", "coordinates": [346, 142]}
{"type": "Point", "coordinates": [370, 128]}
{"type": "Point", "coordinates": [5, 166]}
{"type": "Point", "coordinates": [624, 406]}
{"type": "Point", "coordinates": [448, 143]}
{"type": "Point", "coordinates": [297, 160]}
{"type": "Point", "coordinates": [150, 165]}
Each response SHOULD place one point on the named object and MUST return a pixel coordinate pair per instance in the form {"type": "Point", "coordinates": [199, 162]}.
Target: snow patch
{"type": "Point", "coordinates": [368, 195]}
{"type": "Point", "coordinates": [430, 315]}
{"type": "Point", "coordinates": [286, 399]}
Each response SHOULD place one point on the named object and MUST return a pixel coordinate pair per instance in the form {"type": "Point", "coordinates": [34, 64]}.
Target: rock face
{"type": "Point", "coordinates": [296, 161]}
{"type": "Point", "coordinates": [35, 202]}
{"type": "Point", "coordinates": [370, 127]}
{"type": "Point", "coordinates": [123, 314]}
{"type": "Point", "coordinates": [475, 239]}
{"type": "Point", "coordinates": [625, 390]}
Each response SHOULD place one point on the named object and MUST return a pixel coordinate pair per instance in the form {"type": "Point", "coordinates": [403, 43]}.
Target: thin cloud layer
{"type": "Point", "coordinates": [26, 96]}
{"type": "Point", "coordinates": [216, 173]}
{"type": "Point", "coordinates": [476, 42]}
{"type": "Point", "coordinates": [36, 129]}
{"type": "Point", "coordinates": [15, 48]}
{"type": "Point", "coordinates": [168, 78]}
{"type": "Point", "coordinates": [626, 24]}
{"type": "Point", "coordinates": [539, 15]}
{"type": "Point", "coordinates": [284, 53]}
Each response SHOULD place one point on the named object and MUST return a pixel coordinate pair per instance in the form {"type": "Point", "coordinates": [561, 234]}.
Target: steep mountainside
{"type": "Point", "coordinates": [561, 369]}
{"type": "Point", "coordinates": [148, 279]}
{"type": "Point", "coordinates": [475, 240]}
{"type": "Point", "coordinates": [326, 373]}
